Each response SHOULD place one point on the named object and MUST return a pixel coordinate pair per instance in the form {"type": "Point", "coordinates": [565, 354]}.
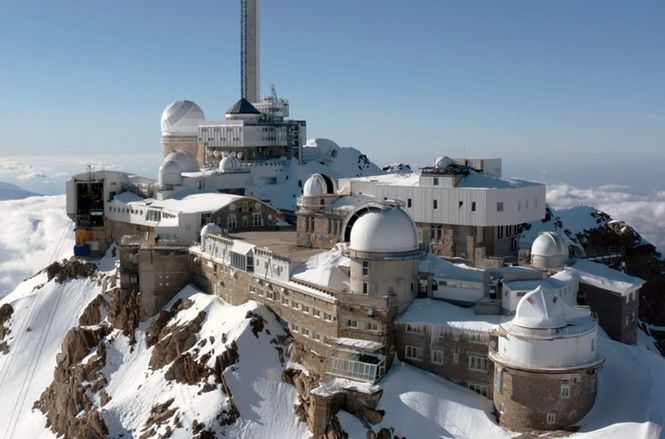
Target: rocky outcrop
{"type": "Point", "coordinates": [123, 312]}
{"type": "Point", "coordinates": [66, 402]}
{"type": "Point", "coordinates": [174, 340]}
{"type": "Point", "coordinates": [93, 314]}
{"type": "Point", "coordinates": [70, 269]}
{"type": "Point", "coordinates": [6, 312]}
{"type": "Point", "coordinates": [160, 414]}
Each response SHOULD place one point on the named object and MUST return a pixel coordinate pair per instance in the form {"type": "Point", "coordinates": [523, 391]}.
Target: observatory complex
{"type": "Point", "coordinates": [364, 267]}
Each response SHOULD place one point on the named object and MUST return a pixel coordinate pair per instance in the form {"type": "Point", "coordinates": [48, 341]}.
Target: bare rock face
{"type": "Point", "coordinates": [159, 414]}
{"type": "Point", "coordinates": [92, 314]}
{"type": "Point", "coordinates": [124, 312]}
{"type": "Point", "coordinates": [70, 269]}
{"type": "Point", "coordinates": [65, 401]}
{"type": "Point", "coordinates": [256, 322]}
{"type": "Point", "coordinates": [174, 340]}
{"type": "Point", "coordinates": [6, 312]}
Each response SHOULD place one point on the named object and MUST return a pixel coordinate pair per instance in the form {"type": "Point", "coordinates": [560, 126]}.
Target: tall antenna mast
{"type": "Point", "coordinates": [249, 50]}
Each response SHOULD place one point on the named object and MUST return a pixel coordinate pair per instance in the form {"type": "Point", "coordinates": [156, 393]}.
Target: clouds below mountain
{"type": "Point", "coordinates": [33, 232]}
{"type": "Point", "coordinates": [645, 212]}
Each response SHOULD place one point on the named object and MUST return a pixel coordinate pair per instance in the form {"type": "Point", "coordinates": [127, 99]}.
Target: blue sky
{"type": "Point", "coordinates": [536, 82]}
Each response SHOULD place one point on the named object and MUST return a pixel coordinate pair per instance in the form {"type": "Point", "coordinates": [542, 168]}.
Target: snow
{"type": "Point", "coordinates": [357, 343]}
{"type": "Point", "coordinates": [474, 180]}
{"type": "Point", "coordinates": [325, 269]}
{"type": "Point", "coordinates": [419, 404]}
{"type": "Point", "coordinates": [602, 276]}
{"type": "Point", "coordinates": [44, 312]}
{"type": "Point", "coordinates": [442, 268]}
{"type": "Point", "coordinates": [35, 232]}
{"type": "Point", "coordinates": [438, 312]}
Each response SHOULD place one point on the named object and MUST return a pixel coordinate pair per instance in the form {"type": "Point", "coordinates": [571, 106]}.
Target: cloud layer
{"type": "Point", "coordinates": [645, 212]}
{"type": "Point", "coordinates": [33, 232]}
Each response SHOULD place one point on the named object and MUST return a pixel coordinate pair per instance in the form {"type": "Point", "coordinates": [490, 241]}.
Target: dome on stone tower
{"type": "Point", "coordinates": [384, 231]}
{"type": "Point", "coordinates": [211, 229]}
{"type": "Point", "coordinates": [170, 173]}
{"type": "Point", "coordinates": [229, 164]}
{"type": "Point", "coordinates": [317, 185]}
{"type": "Point", "coordinates": [549, 250]}
{"type": "Point", "coordinates": [182, 118]}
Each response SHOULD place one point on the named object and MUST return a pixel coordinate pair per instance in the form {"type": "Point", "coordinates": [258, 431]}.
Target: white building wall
{"type": "Point", "coordinates": [460, 291]}
{"type": "Point", "coordinates": [550, 352]}
{"type": "Point", "coordinates": [520, 205]}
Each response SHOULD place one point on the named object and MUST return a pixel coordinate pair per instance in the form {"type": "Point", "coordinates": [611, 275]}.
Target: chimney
{"type": "Point", "coordinates": [249, 50]}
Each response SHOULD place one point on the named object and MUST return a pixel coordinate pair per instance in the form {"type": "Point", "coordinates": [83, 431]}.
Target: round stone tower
{"type": "Point", "coordinates": [385, 255]}
{"type": "Point", "coordinates": [545, 364]}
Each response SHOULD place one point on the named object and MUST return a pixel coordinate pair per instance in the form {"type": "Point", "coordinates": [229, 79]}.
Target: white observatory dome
{"type": "Point", "coordinates": [210, 229]}
{"type": "Point", "coordinates": [229, 164]}
{"type": "Point", "coordinates": [182, 118]}
{"type": "Point", "coordinates": [317, 185]}
{"type": "Point", "coordinates": [385, 231]}
{"type": "Point", "coordinates": [540, 309]}
{"type": "Point", "coordinates": [442, 163]}
{"type": "Point", "coordinates": [170, 173]}
{"type": "Point", "coordinates": [184, 159]}
{"type": "Point", "coordinates": [549, 250]}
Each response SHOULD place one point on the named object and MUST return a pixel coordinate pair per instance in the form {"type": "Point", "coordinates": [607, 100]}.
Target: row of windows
{"type": "Point", "coordinates": [369, 326]}
{"type": "Point", "coordinates": [456, 335]}
{"type": "Point", "coordinates": [508, 230]}
{"type": "Point", "coordinates": [475, 363]}
{"type": "Point", "coordinates": [306, 309]}
{"type": "Point", "coordinates": [306, 332]}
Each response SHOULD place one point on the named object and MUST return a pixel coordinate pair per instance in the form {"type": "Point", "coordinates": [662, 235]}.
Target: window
{"type": "Point", "coordinates": [294, 304]}
{"type": "Point", "coordinates": [293, 327]}
{"type": "Point", "coordinates": [473, 206]}
{"type": "Point", "coordinates": [371, 326]}
{"type": "Point", "coordinates": [477, 337]}
{"type": "Point", "coordinates": [257, 219]}
{"type": "Point", "coordinates": [305, 309]}
{"type": "Point", "coordinates": [455, 357]}
{"type": "Point", "coordinates": [408, 202]}
{"type": "Point", "coordinates": [519, 204]}
{"type": "Point", "coordinates": [437, 356]}
{"type": "Point", "coordinates": [551, 418]}
{"type": "Point", "coordinates": [316, 312]}
{"type": "Point", "coordinates": [231, 221]}
{"type": "Point", "coordinates": [499, 206]}
{"type": "Point", "coordinates": [365, 268]}
{"type": "Point", "coordinates": [270, 295]}
{"type": "Point", "coordinates": [351, 323]}
{"type": "Point", "coordinates": [305, 331]}
{"type": "Point", "coordinates": [365, 288]}
{"type": "Point", "coordinates": [565, 388]}
{"type": "Point", "coordinates": [460, 205]}
{"type": "Point", "coordinates": [413, 352]}
{"type": "Point", "coordinates": [480, 389]}
{"type": "Point", "coordinates": [414, 329]}
{"type": "Point", "coordinates": [499, 232]}
{"type": "Point", "coordinates": [435, 181]}
{"type": "Point", "coordinates": [285, 301]}
{"type": "Point", "coordinates": [435, 204]}
{"type": "Point", "coordinates": [477, 364]}
{"type": "Point", "coordinates": [593, 344]}
{"type": "Point", "coordinates": [327, 316]}
{"type": "Point", "coordinates": [316, 336]}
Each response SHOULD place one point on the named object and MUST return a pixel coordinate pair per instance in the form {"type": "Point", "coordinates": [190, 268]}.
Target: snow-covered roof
{"type": "Point", "coordinates": [555, 282]}
{"type": "Point", "coordinates": [604, 277]}
{"type": "Point", "coordinates": [127, 197]}
{"type": "Point", "coordinates": [441, 268]}
{"type": "Point", "coordinates": [357, 343]}
{"type": "Point", "coordinates": [385, 231]}
{"type": "Point", "coordinates": [185, 160]}
{"type": "Point", "coordinates": [437, 312]}
{"type": "Point", "coordinates": [474, 180]}
{"type": "Point", "coordinates": [324, 269]}
{"type": "Point", "coordinates": [197, 202]}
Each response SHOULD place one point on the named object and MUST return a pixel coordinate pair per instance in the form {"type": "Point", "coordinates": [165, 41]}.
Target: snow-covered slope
{"type": "Point", "coordinates": [34, 232]}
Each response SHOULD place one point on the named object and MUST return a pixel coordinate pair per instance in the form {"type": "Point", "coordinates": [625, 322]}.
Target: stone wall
{"type": "Point", "coordinates": [455, 344]}
{"type": "Point", "coordinates": [524, 399]}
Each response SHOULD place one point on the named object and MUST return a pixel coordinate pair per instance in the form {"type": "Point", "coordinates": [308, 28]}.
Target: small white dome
{"type": "Point", "coordinates": [229, 164]}
{"type": "Point", "coordinates": [210, 229]}
{"type": "Point", "coordinates": [316, 186]}
{"type": "Point", "coordinates": [182, 117]}
{"type": "Point", "coordinates": [549, 244]}
{"type": "Point", "coordinates": [540, 309]}
{"type": "Point", "coordinates": [184, 159]}
{"type": "Point", "coordinates": [443, 162]}
{"type": "Point", "coordinates": [170, 173]}
{"type": "Point", "coordinates": [385, 231]}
